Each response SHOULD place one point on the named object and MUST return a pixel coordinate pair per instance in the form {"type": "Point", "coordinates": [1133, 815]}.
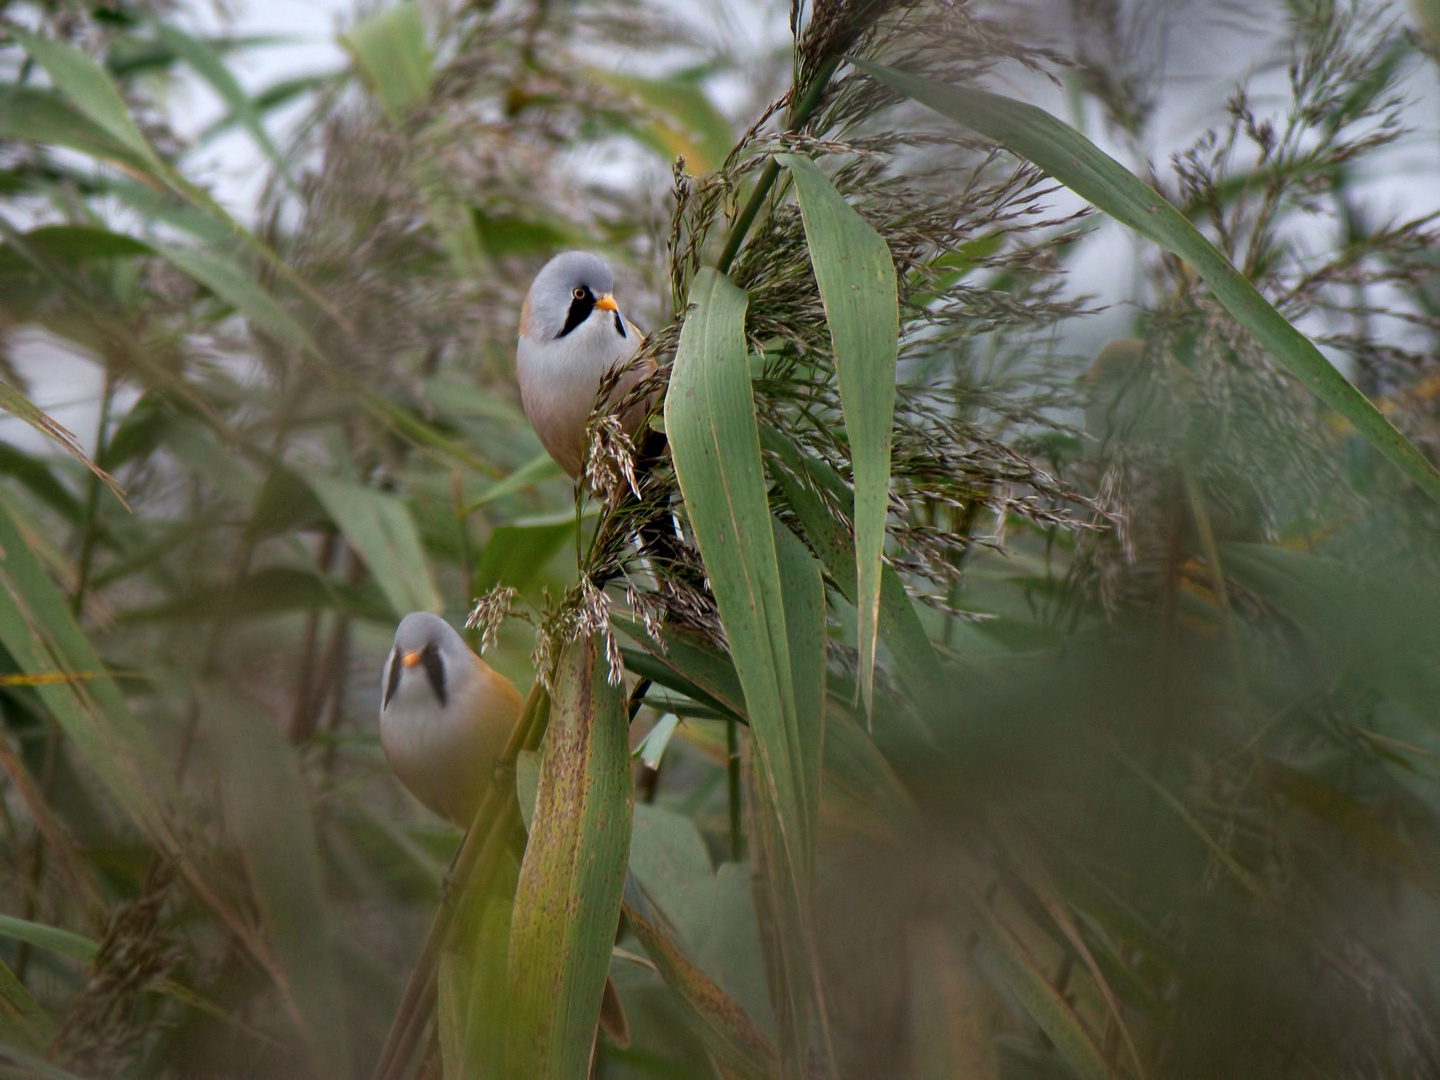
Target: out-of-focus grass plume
{"type": "Point", "coordinates": [1067, 710]}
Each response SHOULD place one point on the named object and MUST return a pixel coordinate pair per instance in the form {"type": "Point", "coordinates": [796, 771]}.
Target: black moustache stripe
{"type": "Point", "coordinates": [394, 682]}
{"type": "Point", "coordinates": [434, 671]}
{"type": "Point", "coordinates": [620, 325]}
{"type": "Point", "coordinates": [580, 309]}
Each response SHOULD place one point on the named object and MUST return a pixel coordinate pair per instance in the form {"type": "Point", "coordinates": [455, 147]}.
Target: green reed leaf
{"type": "Point", "coordinates": [52, 939]}
{"type": "Point", "coordinates": [230, 282]}
{"type": "Point", "coordinates": [913, 653]}
{"type": "Point", "coordinates": [41, 115]}
{"type": "Point", "coordinates": [18, 405]}
{"type": "Point", "coordinates": [274, 96]}
{"type": "Point", "coordinates": [384, 533]}
{"type": "Point", "coordinates": [23, 1023]}
{"type": "Point", "coordinates": [517, 554]}
{"type": "Point", "coordinates": [737, 1042]}
{"type": "Point", "coordinates": [38, 630]}
{"type": "Point", "coordinates": [856, 276]}
{"type": "Point", "coordinates": [714, 439]}
{"type": "Point", "coordinates": [567, 904]}
{"type": "Point", "coordinates": [472, 1007]}
{"type": "Point", "coordinates": [683, 662]}
{"type": "Point", "coordinates": [669, 859]}
{"type": "Point", "coordinates": [90, 89]}
{"type": "Point", "coordinates": [392, 57]}
{"type": "Point", "coordinates": [675, 117]}
{"type": "Point", "coordinates": [803, 590]}
{"type": "Point", "coordinates": [1045, 1005]}
{"type": "Point", "coordinates": [71, 243]}
{"type": "Point", "coordinates": [210, 67]}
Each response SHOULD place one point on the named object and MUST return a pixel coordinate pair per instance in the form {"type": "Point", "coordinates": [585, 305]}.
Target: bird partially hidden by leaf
{"type": "Point", "coordinates": [445, 717]}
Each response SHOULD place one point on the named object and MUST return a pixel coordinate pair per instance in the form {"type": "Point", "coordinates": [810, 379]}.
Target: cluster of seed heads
{"type": "Point", "coordinates": [489, 612]}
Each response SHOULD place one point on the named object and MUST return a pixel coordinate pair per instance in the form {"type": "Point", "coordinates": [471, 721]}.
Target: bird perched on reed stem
{"type": "Point", "coordinates": [572, 334]}
{"type": "Point", "coordinates": [445, 718]}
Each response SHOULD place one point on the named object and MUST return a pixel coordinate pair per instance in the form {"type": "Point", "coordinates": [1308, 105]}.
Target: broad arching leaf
{"type": "Point", "coordinates": [1092, 174]}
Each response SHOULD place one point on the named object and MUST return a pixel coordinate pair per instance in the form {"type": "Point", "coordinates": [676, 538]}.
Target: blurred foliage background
{"type": "Point", "coordinates": [1149, 783]}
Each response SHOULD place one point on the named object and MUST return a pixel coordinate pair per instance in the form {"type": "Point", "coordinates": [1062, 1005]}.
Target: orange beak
{"type": "Point", "coordinates": [411, 658]}
{"type": "Point", "coordinates": [607, 303]}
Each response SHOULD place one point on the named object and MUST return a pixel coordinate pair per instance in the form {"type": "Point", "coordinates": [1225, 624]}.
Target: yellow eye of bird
{"type": "Point", "coordinates": [580, 293]}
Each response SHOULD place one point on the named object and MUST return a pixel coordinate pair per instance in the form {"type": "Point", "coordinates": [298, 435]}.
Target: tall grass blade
{"type": "Point", "coordinates": [1248, 881]}
{"type": "Point", "coordinates": [77, 947]}
{"type": "Point", "coordinates": [856, 276]}
{"type": "Point", "coordinates": [392, 57]}
{"type": "Point", "coordinates": [39, 632]}
{"type": "Point", "coordinates": [18, 405]}
{"type": "Point", "coordinates": [567, 904]}
{"type": "Point", "coordinates": [714, 438]}
{"type": "Point", "coordinates": [669, 860]}
{"type": "Point", "coordinates": [517, 554]}
{"type": "Point", "coordinates": [740, 1046]}
{"type": "Point", "coordinates": [210, 67]}
{"type": "Point", "coordinates": [23, 1023]}
{"type": "Point", "coordinates": [916, 661]}
{"type": "Point", "coordinates": [53, 939]}
{"type": "Point", "coordinates": [227, 280]}
{"type": "Point", "coordinates": [685, 122]}
{"type": "Point", "coordinates": [949, 1037]}
{"type": "Point", "coordinates": [860, 787]}
{"type": "Point", "coordinates": [1080, 165]}
{"type": "Point", "coordinates": [71, 243]}
{"type": "Point", "coordinates": [472, 1004]}
{"type": "Point", "coordinates": [1031, 870]}
{"type": "Point", "coordinates": [1045, 1005]}
{"type": "Point", "coordinates": [90, 89]}
{"type": "Point", "coordinates": [482, 856]}
{"type": "Point", "coordinates": [683, 662]}
{"type": "Point", "coordinates": [412, 427]}
{"type": "Point", "coordinates": [33, 114]}
{"type": "Point", "coordinates": [803, 591]}
{"type": "Point", "coordinates": [275, 96]}
{"type": "Point", "coordinates": [535, 471]}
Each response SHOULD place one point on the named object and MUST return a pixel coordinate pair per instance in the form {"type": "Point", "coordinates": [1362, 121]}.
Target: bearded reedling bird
{"type": "Point", "coordinates": [445, 717]}
{"type": "Point", "coordinates": [572, 333]}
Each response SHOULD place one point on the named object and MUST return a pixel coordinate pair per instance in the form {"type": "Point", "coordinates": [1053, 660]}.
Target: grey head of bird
{"type": "Point", "coordinates": [428, 665]}
{"type": "Point", "coordinates": [573, 292]}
